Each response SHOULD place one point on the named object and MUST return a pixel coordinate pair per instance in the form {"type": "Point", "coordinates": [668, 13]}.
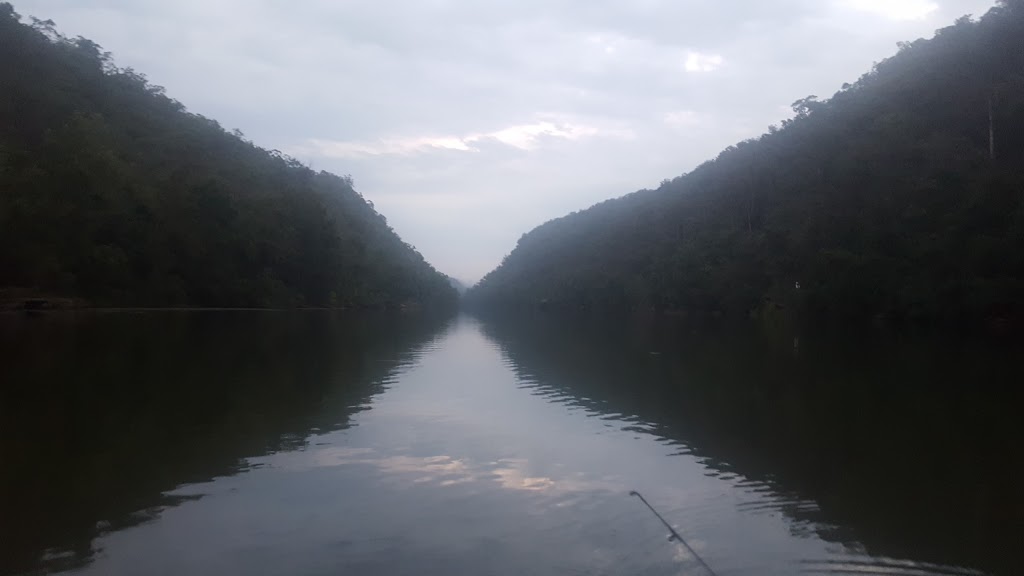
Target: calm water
{"type": "Point", "coordinates": [319, 444]}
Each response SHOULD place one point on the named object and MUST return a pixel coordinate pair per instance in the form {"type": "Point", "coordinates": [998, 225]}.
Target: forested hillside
{"type": "Point", "coordinates": [113, 193]}
{"type": "Point", "coordinates": [901, 196]}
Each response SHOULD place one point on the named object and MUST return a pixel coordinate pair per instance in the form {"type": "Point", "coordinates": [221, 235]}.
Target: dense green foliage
{"type": "Point", "coordinates": [886, 199]}
{"type": "Point", "coordinates": [112, 192]}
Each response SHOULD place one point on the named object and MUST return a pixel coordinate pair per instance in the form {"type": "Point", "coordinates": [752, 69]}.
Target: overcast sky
{"type": "Point", "coordinates": [469, 122]}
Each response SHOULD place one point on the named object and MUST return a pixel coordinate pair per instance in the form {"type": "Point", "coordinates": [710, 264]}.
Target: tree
{"type": "Point", "coordinates": [114, 193]}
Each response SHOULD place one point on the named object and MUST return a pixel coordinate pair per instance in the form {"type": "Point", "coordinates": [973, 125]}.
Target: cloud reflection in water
{"type": "Point", "coordinates": [441, 469]}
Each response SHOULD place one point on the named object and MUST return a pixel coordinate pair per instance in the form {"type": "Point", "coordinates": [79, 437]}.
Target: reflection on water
{"type": "Point", "coordinates": [901, 447]}
{"type": "Point", "coordinates": [317, 444]}
{"type": "Point", "coordinates": [105, 414]}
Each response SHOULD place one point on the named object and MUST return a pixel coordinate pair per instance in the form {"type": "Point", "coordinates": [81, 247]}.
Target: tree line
{"type": "Point", "coordinates": [112, 193]}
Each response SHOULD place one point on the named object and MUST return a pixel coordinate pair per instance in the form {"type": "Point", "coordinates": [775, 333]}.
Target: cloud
{"type": "Point", "coordinates": [526, 136]}
{"type": "Point", "coordinates": [332, 149]}
{"type": "Point", "coordinates": [468, 123]}
{"type": "Point", "coordinates": [896, 9]}
{"type": "Point", "coordinates": [697, 62]}
{"type": "Point", "coordinates": [522, 136]}
{"type": "Point", "coordinates": [682, 118]}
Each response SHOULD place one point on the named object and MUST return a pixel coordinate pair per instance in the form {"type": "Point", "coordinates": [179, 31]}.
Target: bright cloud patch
{"type": "Point", "coordinates": [681, 118]}
{"type": "Point", "coordinates": [334, 149]}
{"type": "Point", "coordinates": [523, 137]}
{"type": "Point", "coordinates": [697, 62]}
{"type": "Point", "coordinates": [895, 9]}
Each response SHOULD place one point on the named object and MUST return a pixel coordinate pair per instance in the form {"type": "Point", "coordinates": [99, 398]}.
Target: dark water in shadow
{"type": "Point", "coordinates": [104, 413]}
{"type": "Point", "coordinates": [315, 443]}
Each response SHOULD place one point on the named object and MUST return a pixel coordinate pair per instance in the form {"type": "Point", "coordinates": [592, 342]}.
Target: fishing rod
{"type": "Point", "coordinates": [675, 535]}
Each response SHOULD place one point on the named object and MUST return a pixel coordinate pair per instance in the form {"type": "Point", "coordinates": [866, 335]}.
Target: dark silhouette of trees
{"type": "Point", "coordinates": [901, 196]}
{"type": "Point", "coordinates": [112, 192]}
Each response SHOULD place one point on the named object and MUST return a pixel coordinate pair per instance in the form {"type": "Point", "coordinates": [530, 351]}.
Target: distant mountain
{"type": "Point", "coordinates": [113, 193]}
{"type": "Point", "coordinates": [901, 196]}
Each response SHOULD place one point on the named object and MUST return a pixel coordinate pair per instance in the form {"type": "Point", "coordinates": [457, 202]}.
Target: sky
{"type": "Point", "coordinates": [469, 122]}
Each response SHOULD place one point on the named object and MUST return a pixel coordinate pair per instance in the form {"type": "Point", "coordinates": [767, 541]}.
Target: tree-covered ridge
{"type": "Point", "coordinates": [902, 196]}
{"type": "Point", "coordinates": [112, 192]}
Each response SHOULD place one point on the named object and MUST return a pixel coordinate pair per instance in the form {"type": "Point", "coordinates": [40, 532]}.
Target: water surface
{"type": "Point", "coordinates": [316, 444]}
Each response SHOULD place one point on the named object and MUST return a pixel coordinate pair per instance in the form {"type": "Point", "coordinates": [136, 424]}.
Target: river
{"type": "Point", "coordinates": [313, 443]}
